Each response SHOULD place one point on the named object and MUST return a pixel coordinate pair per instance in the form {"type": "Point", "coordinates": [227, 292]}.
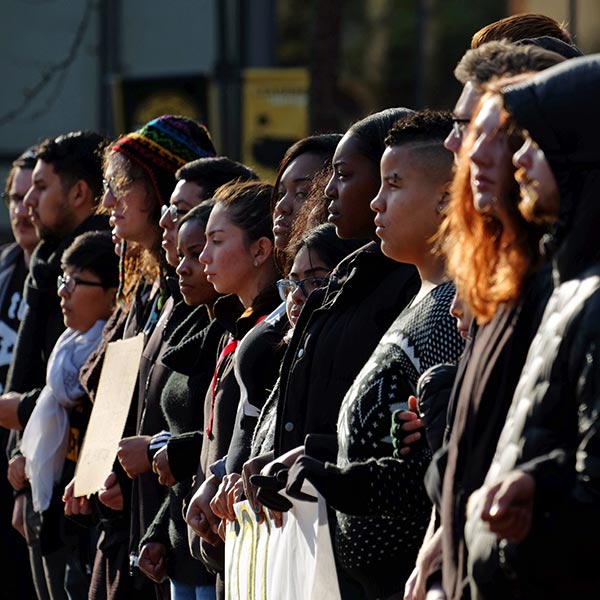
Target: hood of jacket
{"type": "Point", "coordinates": [559, 109]}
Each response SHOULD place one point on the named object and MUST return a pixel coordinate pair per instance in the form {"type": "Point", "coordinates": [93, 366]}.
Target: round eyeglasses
{"type": "Point", "coordinates": [307, 286]}
{"type": "Point", "coordinates": [70, 283]}
{"type": "Point", "coordinates": [118, 187]}
{"type": "Point", "coordinates": [174, 212]}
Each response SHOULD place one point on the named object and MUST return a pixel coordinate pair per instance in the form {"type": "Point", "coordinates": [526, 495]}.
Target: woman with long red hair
{"type": "Point", "coordinates": [492, 255]}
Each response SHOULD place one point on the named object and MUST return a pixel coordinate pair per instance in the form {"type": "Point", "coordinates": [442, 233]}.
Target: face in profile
{"type": "Point", "coordinates": [491, 169]}
{"type": "Point", "coordinates": [48, 202]}
{"type": "Point", "coordinates": [192, 279]}
{"type": "Point", "coordinates": [463, 111]}
{"type": "Point", "coordinates": [231, 261]}
{"type": "Point", "coordinates": [406, 205]}
{"type": "Point", "coordinates": [540, 199]}
{"type": "Point", "coordinates": [308, 272]}
{"type": "Point", "coordinates": [294, 186]}
{"type": "Point", "coordinates": [22, 228]}
{"type": "Point", "coordinates": [129, 203]}
{"type": "Point", "coordinates": [83, 298]}
{"type": "Point", "coordinates": [185, 196]}
{"type": "Point", "coordinates": [464, 317]}
{"type": "Point", "coordinates": [353, 184]}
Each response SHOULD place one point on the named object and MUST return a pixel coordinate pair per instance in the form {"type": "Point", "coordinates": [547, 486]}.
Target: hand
{"type": "Point", "coordinates": [153, 561]}
{"type": "Point", "coordinates": [160, 465]}
{"type": "Point", "coordinates": [199, 515]}
{"type": "Point", "coordinates": [133, 455]}
{"type": "Point", "coordinates": [18, 515]}
{"type": "Point", "coordinates": [407, 428]}
{"type": "Point", "coordinates": [9, 416]}
{"type": "Point", "coordinates": [222, 504]}
{"type": "Point", "coordinates": [16, 472]}
{"type": "Point", "coordinates": [269, 487]}
{"type": "Point", "coordinates": [508, 506]}
{"type": "Point", "coordinates": [272, 479]}
{"type": "Point", "coordinates": [254, 467]}
{"type": "Point", "coordinates": [111, 495]}
{"type": "Point", "coordinates": [75, 506]}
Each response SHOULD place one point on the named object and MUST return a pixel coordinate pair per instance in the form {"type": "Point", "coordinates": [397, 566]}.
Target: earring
{"type": "Point", "coordinates": [442, 203]}
{"type": "Point", "coordinates": [255, 262]}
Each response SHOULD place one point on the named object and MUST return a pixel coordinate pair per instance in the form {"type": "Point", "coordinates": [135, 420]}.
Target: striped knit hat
{"type": "Point", "coordinates": [162, 146]}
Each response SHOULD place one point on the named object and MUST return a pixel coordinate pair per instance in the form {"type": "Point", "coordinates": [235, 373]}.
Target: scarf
{"type": "Point", "coordinates": [45, 439]}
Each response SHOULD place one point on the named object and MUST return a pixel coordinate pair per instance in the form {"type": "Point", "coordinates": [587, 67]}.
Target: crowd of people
{"type": "Point", "coordinates": [406, 319]}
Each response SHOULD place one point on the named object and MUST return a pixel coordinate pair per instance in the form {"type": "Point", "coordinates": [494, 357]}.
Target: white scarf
{"type": "Point", "coordinates": [46, 436]}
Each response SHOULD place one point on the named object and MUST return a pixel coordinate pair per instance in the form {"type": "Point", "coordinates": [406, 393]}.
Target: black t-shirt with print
{"type": "Point", "coordinates": [11, 311]}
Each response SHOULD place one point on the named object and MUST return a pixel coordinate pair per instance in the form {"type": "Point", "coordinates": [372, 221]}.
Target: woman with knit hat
{"type": "Point", "coordinates": [139, 177]}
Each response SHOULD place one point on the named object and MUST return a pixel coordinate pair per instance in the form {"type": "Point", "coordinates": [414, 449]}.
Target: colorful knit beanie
{"type": "Point", "coordinates": [162, 146]}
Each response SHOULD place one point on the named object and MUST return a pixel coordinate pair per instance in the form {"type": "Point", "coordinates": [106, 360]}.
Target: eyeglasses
{"type": "Point", "coordinates": [120, 187]}
{"type": "Point", "coordinates": [307, 286]}
{"type": "Point", "coordinates": [459, 126]}
{"type": "Point", "coordinates": [12, 199]}
{"type": "Point", "coordinates": [70, 283]}
{"type": "Point", "coordinates": [174, 212]}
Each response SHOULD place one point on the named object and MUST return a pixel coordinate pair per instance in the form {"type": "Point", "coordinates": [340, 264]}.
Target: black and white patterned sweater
{"type": "Point", "coordinates": [423, 335]}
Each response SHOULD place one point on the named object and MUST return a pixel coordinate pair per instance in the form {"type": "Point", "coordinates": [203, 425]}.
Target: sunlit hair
{"type": "Point", "coordinates": [489, 262]}
{"type": "Point", "coordinates": [519, 27]}
{"type": "Point", "coordinates": [312, 213]}
{"type": "Point", "coordinates": [323, 241]}
{"type": "Point", "coordinates": [138, 265]}
{"type": "Point", "coordinates": [248, 206]}
{"type": "Point", "coordinates": [26, 161]}
{"type": "Point", "coordinates": [501, 59]}
{"type": "Point", "coordinates": [322, 145]}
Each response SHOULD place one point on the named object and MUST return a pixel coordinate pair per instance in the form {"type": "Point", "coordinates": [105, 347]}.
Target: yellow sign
{"type": "Point", "coordinates": [275, 115]}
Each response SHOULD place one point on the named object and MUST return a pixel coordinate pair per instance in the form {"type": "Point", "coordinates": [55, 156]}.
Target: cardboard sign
{"type": "Point", "coordinates": [115, 390]}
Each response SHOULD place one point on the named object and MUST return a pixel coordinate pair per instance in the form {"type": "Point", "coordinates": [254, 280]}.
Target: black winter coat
{"type": "Point", "coordinates": [42, 323]}
{"type": "Point", "coordinates": [191, 357]}
{"type": "Point", "coordinates": [147, 494]}
{"type": "Point", "coordinates": [335, 335]}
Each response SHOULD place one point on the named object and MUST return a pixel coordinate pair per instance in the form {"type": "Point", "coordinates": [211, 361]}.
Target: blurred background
{"type": "Point", "coordinates": [259, 73]}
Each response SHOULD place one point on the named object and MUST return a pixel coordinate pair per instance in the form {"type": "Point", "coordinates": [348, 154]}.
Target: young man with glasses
{"type": "Point", "coordinates": [480, 66]}
{"type": "Point", "coordinates": [196, 181]}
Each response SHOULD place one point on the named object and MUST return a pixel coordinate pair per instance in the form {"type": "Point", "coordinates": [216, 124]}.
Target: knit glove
{"type": "Point", "coordinates": [345, 489]}
{"type": "Point", "coordinates": [269, 486]}
{"type": "Point", "coordinates": [398, 435]}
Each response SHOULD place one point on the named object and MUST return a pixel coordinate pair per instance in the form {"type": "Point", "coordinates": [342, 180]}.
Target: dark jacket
{"type": "Point", "coordinates": [552, 430]}
{"type": "Point", "coordinates": [111, 576]}
{"type": "Point", "coordinates": [190, 355]}
{"type": "Point", "coordinates": [42, 323]}
{"type": "Point", "coordinates": [257, 363]}
{"type": "Point", "coordinates": [223, 397]}
{"type": "Point", "coordinates": [147, 494]}
{"type": "Point", "coordinates": [336, 333]}
{"type": "Point", "coordinates": [485, 385]}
